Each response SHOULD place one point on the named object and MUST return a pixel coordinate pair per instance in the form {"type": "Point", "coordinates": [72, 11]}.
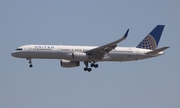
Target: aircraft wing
{"type": "Point", "coordinates": [99, 52]}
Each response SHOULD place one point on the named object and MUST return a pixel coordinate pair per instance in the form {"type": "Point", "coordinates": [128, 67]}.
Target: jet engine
{"type": "Point", "coordinates": [69, 63]}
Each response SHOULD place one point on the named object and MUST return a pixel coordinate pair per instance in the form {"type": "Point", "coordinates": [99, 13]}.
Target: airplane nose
{"type": "Point", "coordinates": [13, 54]}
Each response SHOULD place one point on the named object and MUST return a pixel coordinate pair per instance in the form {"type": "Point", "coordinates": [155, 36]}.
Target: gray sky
{"type": "Point", "coordinates": [151, 83]}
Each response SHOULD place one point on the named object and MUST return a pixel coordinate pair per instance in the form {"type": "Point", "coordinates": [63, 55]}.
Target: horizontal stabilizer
{"type": "Point", "coordinates": [157, 50]}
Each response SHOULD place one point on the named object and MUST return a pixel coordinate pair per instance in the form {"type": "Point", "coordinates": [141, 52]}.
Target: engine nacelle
{"type": "Point", "coordinates": [79, 56]}
{"type": "Point", "coordinates": [69, 63]}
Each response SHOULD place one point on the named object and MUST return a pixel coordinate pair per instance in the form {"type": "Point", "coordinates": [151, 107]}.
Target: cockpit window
{"type": "Point", "coordinates": [18, 49]}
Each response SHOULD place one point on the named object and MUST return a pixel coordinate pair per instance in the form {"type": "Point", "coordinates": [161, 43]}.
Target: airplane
{"type": "Point", "coordinates": [71, 56]}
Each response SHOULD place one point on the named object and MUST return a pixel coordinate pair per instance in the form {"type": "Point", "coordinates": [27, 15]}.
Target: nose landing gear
{"type": "Point", "coordinates": [30, 62]}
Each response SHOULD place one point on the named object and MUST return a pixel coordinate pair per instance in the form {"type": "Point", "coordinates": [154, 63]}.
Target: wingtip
{"type": "Point", "coordinates": [126, 34]}
{"type": "Point", "coordinates": [167, 46]}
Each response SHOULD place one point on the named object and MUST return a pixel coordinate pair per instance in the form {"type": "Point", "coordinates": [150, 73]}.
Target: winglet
{"type": "Point", "coordinates": [126, 34]}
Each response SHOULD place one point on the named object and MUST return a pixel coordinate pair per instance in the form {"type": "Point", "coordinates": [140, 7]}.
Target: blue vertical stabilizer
{"type": "Point", "coordinates": [152, 39]}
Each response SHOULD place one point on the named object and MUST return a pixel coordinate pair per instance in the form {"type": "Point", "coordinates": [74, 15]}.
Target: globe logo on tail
{"type": "Point", "coordinates": [148, 43]}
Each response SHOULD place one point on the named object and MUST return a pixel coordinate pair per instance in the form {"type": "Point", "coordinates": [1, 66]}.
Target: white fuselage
{"type": "Point", "coordinates": [71, 56]}
{"type": "Point", "coordinates": [65, 52]}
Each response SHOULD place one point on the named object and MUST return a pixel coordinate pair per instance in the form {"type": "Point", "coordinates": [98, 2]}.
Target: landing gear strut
{"type": "Point", "coordinates": [30, 63]}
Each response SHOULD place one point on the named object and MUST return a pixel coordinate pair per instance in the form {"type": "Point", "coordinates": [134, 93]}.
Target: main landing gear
{"type": "Point", "coordinates": [30, 62]}
{"type": "Point", "coordinates": [92, 65]}
{"type": "Point", "coordinates": [87, 69]}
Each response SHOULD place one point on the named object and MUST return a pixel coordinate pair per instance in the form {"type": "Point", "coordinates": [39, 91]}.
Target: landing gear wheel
{"type": "Point", "coordinates": [30, 65]}
{"type": "Point", "coordinates": [96, 65]}
{"type": "Point", "coordinates": [92, 65]}
{"type": "Point", "coordinates": [87, 69]}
